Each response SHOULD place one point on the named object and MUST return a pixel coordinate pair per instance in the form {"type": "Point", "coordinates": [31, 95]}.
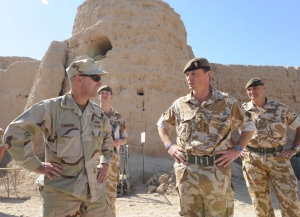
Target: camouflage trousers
{"type": "Point", "coordinates": [204, 191]}
{"type": "Point", "coordinates": [262, 169]}
{"type": "Point", "coordinates": [59, 204]}
{"type": "Point", "coordinates": [112, 180]}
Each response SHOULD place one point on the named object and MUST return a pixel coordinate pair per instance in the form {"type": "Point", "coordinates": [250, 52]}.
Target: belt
{"type": "Point", "coordinates": [204, 160]}
{"type": "Point", "coordinates": [265, 150]}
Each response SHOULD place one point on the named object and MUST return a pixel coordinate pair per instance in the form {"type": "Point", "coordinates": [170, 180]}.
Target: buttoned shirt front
{"type": "Point", "coordinates": [74, 139]}
{"type": "Point", "coordinates": [117, 121]}
{"type": "Point", "coordinates": [204, 128]}
{"type": "Point", "coordinates": [271, 123]}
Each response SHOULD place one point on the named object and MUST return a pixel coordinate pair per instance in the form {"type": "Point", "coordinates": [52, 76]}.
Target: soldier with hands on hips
{"type": "Point", "coordinates": [204, 120]}
{"type": "Point", "coordinates": [264, 160]}
{"type": "Point", "coordinates": [78, 146]}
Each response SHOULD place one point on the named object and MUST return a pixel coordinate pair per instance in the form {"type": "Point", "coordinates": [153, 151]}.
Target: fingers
{"type": "Point", "coordinates": [287, 154]}
{"type": "Point", "coordinates": [179, 157]}
{"type": "Point", "coordinates": [227, 157]}
{"type": "Point", "coordinates": [49, 169]}
{"type": "Point", "coordinates": [101, 175]}
{"type": "Point", "coordinates": [177, 153]}
{"type": "Point", "coordinates": [102, 172]}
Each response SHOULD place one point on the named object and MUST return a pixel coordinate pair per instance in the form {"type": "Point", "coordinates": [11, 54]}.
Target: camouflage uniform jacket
{"type": "Point", "coordinates": [271, 123]}
{"type": "Point", "coordinates": [115, 119]}
{"type": "Point", "coordinates": [72, 138]}
{"type": "Point", "coordinates": [201, 129]}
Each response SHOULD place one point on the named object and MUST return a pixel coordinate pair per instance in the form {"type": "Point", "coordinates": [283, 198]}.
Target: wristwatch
{"type": "Point", "coordinates": [238, 148]}
{"type": "Point", "coordinates": [296, 148]}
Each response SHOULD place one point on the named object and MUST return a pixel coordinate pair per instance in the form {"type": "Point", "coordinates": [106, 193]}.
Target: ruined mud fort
{"type": "Point", "coordinates": [143, 45]}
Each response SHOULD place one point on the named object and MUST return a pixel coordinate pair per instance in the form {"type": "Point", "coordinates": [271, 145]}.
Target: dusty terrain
{"type": "Point", "coordinates": [137, 204]}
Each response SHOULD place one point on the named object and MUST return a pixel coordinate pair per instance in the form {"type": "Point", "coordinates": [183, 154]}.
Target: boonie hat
{"type": "Point", "coordinates": [84, 66]}
{"type": "Point", "coordinates": [254, 82]}
{"type": "Point", "coordinates": [196, 63]}
{"type": "Point", "coordinates": [105, 87]}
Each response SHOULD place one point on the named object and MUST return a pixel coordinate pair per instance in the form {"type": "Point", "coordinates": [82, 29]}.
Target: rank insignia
{"type": "Point", "coordinates": [200, 122]}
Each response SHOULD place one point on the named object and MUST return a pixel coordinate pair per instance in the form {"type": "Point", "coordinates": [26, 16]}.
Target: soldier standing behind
{"type": "Point", "coordinates": [76, 135]}
{"type": "Point", "coordinates": [105, 96]}
{"type": "Point", "coordinates": [204, 120]}
{"type": "Point", "coordinates": [265, 160]}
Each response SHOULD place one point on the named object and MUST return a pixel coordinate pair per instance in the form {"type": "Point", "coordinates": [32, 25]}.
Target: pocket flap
{"type": "Point", "coordinates": [188, 115]}
{"type": "Point", "coordinates": [98, 132]}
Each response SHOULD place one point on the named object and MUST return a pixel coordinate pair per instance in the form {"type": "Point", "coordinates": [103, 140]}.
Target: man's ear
{"type": "Point", "coordinates": [78, 78]}
{"type": "Point", "coordinates": [209, 74]}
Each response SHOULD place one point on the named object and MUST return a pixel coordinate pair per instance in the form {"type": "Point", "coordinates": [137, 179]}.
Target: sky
{"type": "Point", "coordinates": [240, 32]}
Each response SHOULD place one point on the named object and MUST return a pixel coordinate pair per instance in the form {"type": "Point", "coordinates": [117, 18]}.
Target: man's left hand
{"type": "Point", "coordinates": [102, 172]}
{"type": "Point", "coordinates": [117, 143]}
{"type": "Point", "coordinates": [288, 153]}
{"type": "Point", "coordinates": [227, 156]}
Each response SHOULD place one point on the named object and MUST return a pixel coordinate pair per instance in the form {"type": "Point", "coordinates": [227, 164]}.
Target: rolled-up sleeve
{"type": "Point", "coordinates": [167, 119]}
{"type": "Point", "coordinates": [242, 119]}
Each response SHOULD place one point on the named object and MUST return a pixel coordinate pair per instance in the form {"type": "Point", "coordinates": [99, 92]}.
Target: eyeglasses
{"type": "Point", "coordinates": [95, 78]}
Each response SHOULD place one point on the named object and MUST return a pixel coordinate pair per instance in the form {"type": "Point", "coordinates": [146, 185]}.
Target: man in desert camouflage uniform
{"type": "Point", "coordinates": [265, 160]}
{"type": "Point", "coordinates": [105, 97]}
{"type": "Point", "coordinates": [2, 147]}
{"type": "Point", "coordinates": [204, 120]}
{"type": "Point", "coordinates": [78, 146]}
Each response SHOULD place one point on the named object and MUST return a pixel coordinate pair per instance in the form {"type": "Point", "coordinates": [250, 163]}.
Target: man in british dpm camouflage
{"type": "Point", "coordinates": [265, 160]}
{"type": "Point", "coordinates": [204, 120]}
{"type": "Point", "coordinates": [105, 96]}
{"type": "Point", "coordinates": [78, 146]}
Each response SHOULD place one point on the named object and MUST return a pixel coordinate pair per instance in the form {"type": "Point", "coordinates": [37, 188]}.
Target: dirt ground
{"type": "Point", "coordinates": [137, 204]}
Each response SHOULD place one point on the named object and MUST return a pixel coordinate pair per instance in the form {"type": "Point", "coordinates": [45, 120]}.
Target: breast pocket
{"type": "Point", "coordinates": [219, 126]}
{"type": "Point", "coordinates": [185, 125]}
{"type": "Point", "coordinates": [98, 135]}
{"type": "Point", "coordinates": [69, 143]}
{"type": "Point", "coordinates": [276, 128]}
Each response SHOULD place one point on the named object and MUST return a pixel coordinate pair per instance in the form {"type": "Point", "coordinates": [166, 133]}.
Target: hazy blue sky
{"type": "Point", "coordinates": [253, 32]}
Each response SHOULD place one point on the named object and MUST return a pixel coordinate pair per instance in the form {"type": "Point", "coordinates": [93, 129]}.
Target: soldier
{"type": "Point", "coordinates": [78, 146]}
{"type": "Point", "coordinates": [204, 120]}
{"type": "Point", "coordinates": [120, 138]}
{"type": "Point", "coordinates": [2, 147]}
{"type": "Point", "coordinates": [265, 160]}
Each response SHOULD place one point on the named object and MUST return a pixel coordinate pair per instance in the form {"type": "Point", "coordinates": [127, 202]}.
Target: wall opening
{"type": "Point", "coordinates": [99, 48]}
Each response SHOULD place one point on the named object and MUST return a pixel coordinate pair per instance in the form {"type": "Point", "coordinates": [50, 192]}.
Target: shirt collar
{"type": "Point", "coordinates": [268, 105]}
{"type": "Point", "coordinates": [214, 96]}
{"type": "Point", "coordinates": [69, 103]}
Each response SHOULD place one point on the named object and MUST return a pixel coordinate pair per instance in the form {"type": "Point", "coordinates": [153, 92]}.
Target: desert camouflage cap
{"type": "Point", "coordinates": [85, 66]}
{"type": "Point", "coordinates": [196, 63]}
{"type": "Point", "coordinates": [254, 82]}
{"type": "Point", "coordinates": [105, 87]}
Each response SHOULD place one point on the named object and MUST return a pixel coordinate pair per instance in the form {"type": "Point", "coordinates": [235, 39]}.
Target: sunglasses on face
{"type": "Point", "coordinates": [95, 78]}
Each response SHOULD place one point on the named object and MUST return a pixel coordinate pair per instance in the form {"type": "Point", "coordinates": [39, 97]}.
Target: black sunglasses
{"type": "Point", "coordinates": [95, 78]}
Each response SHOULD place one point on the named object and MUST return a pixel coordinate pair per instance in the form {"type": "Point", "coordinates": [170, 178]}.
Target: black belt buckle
{"type": "Point", "coordinates": [263, 150]}
{"type": "Point", "coordinates": [205, 161]}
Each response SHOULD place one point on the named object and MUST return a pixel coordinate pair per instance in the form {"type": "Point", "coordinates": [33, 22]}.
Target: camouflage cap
{"type": "Point", "coordinates": [105, 87]}
{"type": "Point", "coordinates": [196, 63]}
{"type": "Point", "coordinates": [85, 66]}
{"type": "Point", "coordinates": [254, 82]}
